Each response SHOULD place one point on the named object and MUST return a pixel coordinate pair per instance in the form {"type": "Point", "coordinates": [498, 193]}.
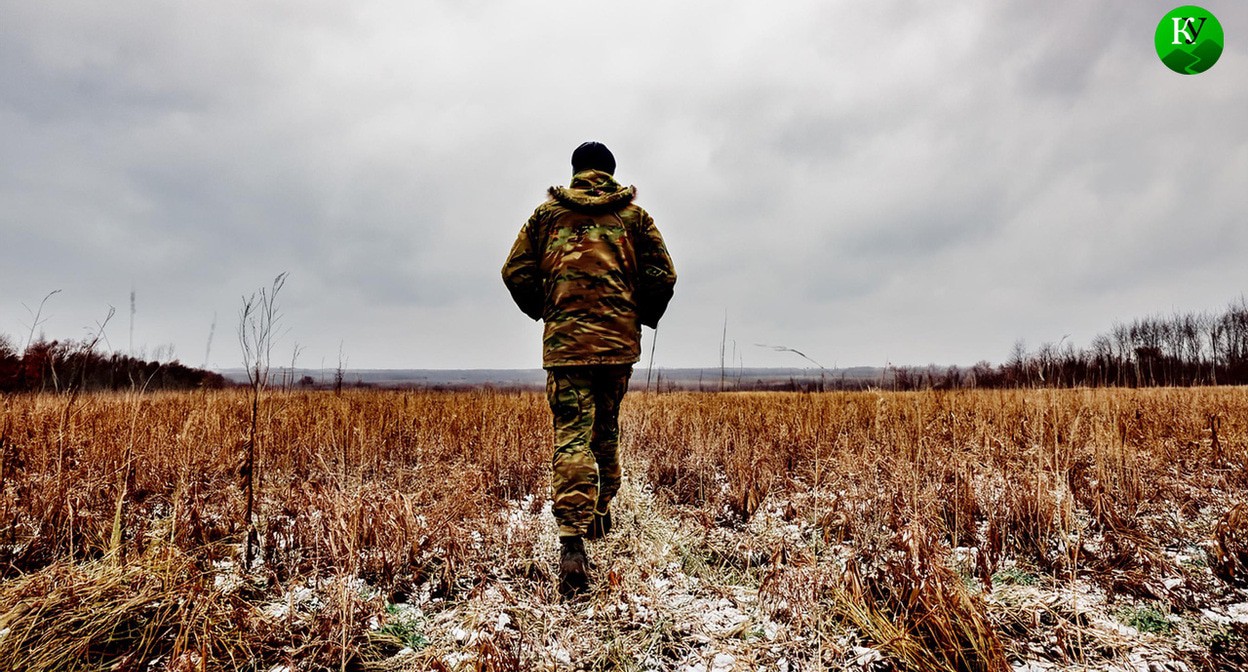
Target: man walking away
{"type": "Point", "coordinates": [590, 264]}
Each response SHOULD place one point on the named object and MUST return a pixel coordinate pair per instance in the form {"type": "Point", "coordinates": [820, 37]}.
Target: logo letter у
{"type": "Point", "coordinates": [1181, 26]}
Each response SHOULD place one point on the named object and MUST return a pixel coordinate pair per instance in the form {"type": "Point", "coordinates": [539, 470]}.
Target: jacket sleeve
{"type": "Point", "coordinates": [657, 275]}
{"type": "Point", "coordinates": [522, 272]}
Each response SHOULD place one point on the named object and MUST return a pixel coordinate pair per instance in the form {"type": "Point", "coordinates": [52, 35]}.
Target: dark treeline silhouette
{"type": "Point", "coordinates": [57, 366]}
{"type": "Point", "coordinates": [1183, 349]}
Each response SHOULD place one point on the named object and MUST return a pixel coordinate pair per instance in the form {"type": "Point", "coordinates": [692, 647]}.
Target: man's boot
{"type": "Point", "coordinates": [601, 525]}
{"type": "Point", "coordinates": [573, 566]}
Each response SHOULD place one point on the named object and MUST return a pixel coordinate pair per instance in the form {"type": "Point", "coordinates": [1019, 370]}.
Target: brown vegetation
{"type": "Point", "coordinates": [902, 522]}
{"type": "Point", "coordinates": [59, 366]}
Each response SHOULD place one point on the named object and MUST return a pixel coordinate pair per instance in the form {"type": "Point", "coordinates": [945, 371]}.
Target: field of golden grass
{"type": "Point", "coordinates": [971, 530]}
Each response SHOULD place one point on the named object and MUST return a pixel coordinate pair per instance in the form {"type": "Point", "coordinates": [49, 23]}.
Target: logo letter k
{"type": "Point", "coordinates": [1181, 26]}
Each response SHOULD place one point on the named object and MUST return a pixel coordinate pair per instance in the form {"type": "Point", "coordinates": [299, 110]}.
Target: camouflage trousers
{"type": "Point", "coordinates": [585, 401]}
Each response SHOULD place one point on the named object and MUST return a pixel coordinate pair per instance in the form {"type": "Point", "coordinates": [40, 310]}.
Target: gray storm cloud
{"type": "Point", "coordinates": [867, 182]}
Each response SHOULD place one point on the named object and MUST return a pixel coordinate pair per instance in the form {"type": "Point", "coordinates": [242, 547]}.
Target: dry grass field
{"type": "Point", "coordinates": [973, 530]}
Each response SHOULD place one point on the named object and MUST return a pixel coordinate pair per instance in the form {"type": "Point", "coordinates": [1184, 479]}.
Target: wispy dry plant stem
{"type": "Point", "coordinates": [257, 325]}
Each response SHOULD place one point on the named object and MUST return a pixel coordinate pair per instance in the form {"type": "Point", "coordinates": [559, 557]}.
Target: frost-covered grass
{"type": "Point", "coordinates": [1047, 530]}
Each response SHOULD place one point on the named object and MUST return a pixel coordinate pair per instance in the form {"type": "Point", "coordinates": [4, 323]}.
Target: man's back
{"type": "Point", "coordinates": [591, 264]}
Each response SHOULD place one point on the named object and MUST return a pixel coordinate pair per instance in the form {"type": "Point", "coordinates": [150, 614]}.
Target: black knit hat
{"type": "Point", "coordinates": [593, 156]}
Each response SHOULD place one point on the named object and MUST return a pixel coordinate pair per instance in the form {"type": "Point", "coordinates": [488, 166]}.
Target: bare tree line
{"type": "Point", "coordinates": [66, 366]}
{"type": "Point", "coordinates": [1183, 349]}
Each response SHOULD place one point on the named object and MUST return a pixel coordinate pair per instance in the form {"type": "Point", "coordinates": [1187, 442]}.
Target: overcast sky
{"type": "Point", "coordinates": [866, 182]}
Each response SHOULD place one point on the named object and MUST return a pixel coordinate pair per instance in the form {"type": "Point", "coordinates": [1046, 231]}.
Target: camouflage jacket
{"type": "Point", "coordinates": [593, 267]}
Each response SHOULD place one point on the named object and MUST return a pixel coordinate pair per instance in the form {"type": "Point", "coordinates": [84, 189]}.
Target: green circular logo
{"type": "Point", "coordinates": [1189, 40]}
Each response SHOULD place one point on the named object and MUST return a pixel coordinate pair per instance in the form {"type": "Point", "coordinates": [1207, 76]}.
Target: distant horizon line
{"type": "Point", "coordinates": [241, 369]}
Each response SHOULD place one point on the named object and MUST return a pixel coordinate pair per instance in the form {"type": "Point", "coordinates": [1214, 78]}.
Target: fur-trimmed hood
{"type": "Point", "coordinates": [593, 191]}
